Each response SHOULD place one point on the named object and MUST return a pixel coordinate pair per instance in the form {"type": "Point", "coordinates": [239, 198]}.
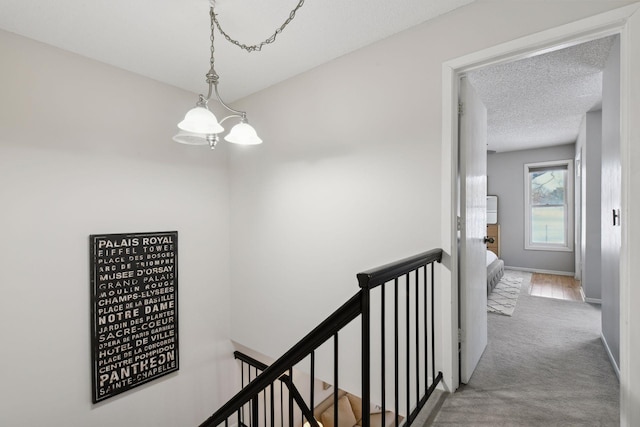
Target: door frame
{"type": "Point", "coordinates": [598, 26]}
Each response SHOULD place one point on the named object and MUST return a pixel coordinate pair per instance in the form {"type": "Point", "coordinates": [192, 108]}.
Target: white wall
{"type": "Point", "coordinates": [505, 176]}
{"type": "Point", "coordinates": [349, 175]}
{"type": "Point", "coordinates": [84, 149]}
{"type": "Point", "coordinates": [589, 143]}
{"type": "Point", "coordinates": [336, 189]}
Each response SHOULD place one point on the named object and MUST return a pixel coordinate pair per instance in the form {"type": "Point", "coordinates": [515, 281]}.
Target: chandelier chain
{"type": "Point", "coordinates": [255, 47]}
{"type": "Point", "coordinates": [212, 76]}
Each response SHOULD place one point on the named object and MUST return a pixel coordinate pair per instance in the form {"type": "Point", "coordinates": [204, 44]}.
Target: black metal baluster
{"type": "Point", "coordinates": [366, 353]}
{"type": "Point", "coordinates": [299, 407]}
{"type": "Point", "coordinates": [417, 335]}
{"type": "Point", "coordinates": [426, 333]}
{"type": "Point", "coordinates": [254, 413]}
{"type": "Point", "coordinates": [291, 399]}
{"type": "Point", "coordinates": [408, 334]}
{"type": "Point", "coordinates": [433, 343]}
{"type": "Point", "coordinates": [272, 418]}
{"type": "Point", "coordinates": [396, 345]}
{"type": "Point", "coordinates": [248, 371]}
{"type": "Point", "coordinates": [382, 358]}
{"type": "Point", "coordinates": [313, 379]}
{"type": "Point", "coordinates": [335, 379]}
{"type": "Point", "coordinates": [250, 403]}
{"type": "Point", "coordinates": [281, 406]}
{"type": "Point", "coordinates": [264, 407]}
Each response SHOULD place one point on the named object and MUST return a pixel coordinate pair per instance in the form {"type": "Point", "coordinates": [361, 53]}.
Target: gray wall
{"type": "Point", "coordinates": [611, 199]}
{"type": "Point", "coordinates": [505, 174]}
{"type": "Point", "coordinates": [589, 144]}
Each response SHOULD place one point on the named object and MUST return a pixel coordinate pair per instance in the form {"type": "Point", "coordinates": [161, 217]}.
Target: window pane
{"type": "Point", "coordinates": [547, 187]}
{"type": "Point", "coordinates": [547, 224]}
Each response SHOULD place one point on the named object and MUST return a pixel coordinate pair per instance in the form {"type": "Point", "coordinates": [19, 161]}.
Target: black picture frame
{"type": "Point", "coordinates": [134, 310]}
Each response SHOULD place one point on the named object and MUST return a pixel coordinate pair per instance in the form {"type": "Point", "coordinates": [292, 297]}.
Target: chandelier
{"type": "Point", "coordinates": [200, 126]}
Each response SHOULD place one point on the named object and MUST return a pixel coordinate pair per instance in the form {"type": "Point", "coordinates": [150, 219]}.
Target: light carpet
{"type": "Point", "coordinates": [544, 366]}
{"type": "Point", "coordinates": [504, 296]}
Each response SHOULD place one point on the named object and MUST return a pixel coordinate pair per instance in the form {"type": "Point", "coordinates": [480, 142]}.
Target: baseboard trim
{"type": "Point", "coordinates": [537, 270]}
{"type": "Point", "coordinates": [611, 359]}
{"type": "Point", "coordinates": [589, 300]}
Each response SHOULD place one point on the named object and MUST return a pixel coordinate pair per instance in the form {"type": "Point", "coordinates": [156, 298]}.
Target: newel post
{"type": "Point", "coordinates": [363, 280]}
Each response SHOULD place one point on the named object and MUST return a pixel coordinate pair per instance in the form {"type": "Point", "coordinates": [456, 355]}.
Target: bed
{"type": "Point", "coordinates": [495, 270]}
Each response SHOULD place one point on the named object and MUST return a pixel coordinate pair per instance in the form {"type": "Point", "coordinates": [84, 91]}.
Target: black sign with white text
{"type": "Point", "coordinates": [134, 310]}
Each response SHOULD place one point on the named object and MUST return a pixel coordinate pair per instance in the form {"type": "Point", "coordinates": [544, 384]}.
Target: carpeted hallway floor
{"type": "Point", "coordinates": [545, 366]}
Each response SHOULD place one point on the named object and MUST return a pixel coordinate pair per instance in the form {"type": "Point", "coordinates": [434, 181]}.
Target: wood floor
{"type": "Point", "coordinates": [553, 286]}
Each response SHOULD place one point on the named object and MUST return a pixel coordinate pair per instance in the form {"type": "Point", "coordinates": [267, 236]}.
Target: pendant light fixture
{"type": "Point", "coordinates": [200, 126]}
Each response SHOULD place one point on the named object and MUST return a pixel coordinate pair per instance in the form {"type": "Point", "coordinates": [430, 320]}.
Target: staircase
{"type": "Point", "coordinates": [395, 307]}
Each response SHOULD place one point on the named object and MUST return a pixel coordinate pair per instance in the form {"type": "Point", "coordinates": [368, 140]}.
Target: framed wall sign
{"type": "Point", "coordinates": [134, 310]}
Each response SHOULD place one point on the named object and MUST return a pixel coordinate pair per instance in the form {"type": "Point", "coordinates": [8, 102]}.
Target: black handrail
{"type": "Point", "coordinates": [357, 305]}
{"type": "Point", "coordinates": [250, 360]}
{"type": "Point", "coordinates": [379, 275]}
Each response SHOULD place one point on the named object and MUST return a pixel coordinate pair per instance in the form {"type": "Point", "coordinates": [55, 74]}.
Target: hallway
{"type": "Point", "coordinates": [545, 365]}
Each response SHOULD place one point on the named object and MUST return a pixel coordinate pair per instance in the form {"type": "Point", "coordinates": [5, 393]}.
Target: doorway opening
{"type": "Point", "coordinates": [546, 113]}
{"type": "Point", "coordinates": [610, 23]}
{"type": "Point", "coordinates": [532, 113]}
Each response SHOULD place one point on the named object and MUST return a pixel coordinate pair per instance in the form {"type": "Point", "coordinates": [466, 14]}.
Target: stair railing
{"type": "Point", "coordinates": [287, 380]}
{"type": "Point", "coordinates": [412, 275]}
{"type": "Point", "coordinates": [380, 279]}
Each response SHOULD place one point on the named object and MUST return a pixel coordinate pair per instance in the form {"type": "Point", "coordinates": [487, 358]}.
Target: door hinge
{"type": "Point", "coordinates": [460, 108]}
{"type": "Point", "coordinates": [459, 223]}
{"type": "Point", "coordinates": [459, 335]}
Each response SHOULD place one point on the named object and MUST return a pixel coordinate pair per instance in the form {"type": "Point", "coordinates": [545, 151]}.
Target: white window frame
{"type": "Point", "coordinates": [569, 196]}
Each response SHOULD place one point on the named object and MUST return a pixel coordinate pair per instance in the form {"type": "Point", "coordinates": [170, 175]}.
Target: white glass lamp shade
{"type": "Point", "coordinates": [200, 120]}
{"type": "Point", "coordinates": [244, 134]}
{"type": "Point", "coordinates": [190, 138]}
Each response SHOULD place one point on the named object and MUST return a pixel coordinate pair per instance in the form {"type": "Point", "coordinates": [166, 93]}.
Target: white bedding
{"type": "Point", "coordinates": [495, 270]}
{"type": "Point", "coordinates": [491, 257]}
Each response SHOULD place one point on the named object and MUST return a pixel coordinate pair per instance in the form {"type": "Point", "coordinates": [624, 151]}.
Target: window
{"type": "Point", "coordinates": [548, 206]}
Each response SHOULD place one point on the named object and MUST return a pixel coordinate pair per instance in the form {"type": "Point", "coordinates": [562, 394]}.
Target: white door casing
{"type": "Point", "coordinates": [473, 212]}
{"type": "Point", "coordinates": [626, 22]}
{"type": "Point", "coordinates": [630, 234]}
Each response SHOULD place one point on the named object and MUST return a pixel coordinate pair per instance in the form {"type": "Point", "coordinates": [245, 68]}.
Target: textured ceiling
{"type": "Point", "coordinates": [540, 101]}
{"type": "Point", "coordinates": [168, 40]}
